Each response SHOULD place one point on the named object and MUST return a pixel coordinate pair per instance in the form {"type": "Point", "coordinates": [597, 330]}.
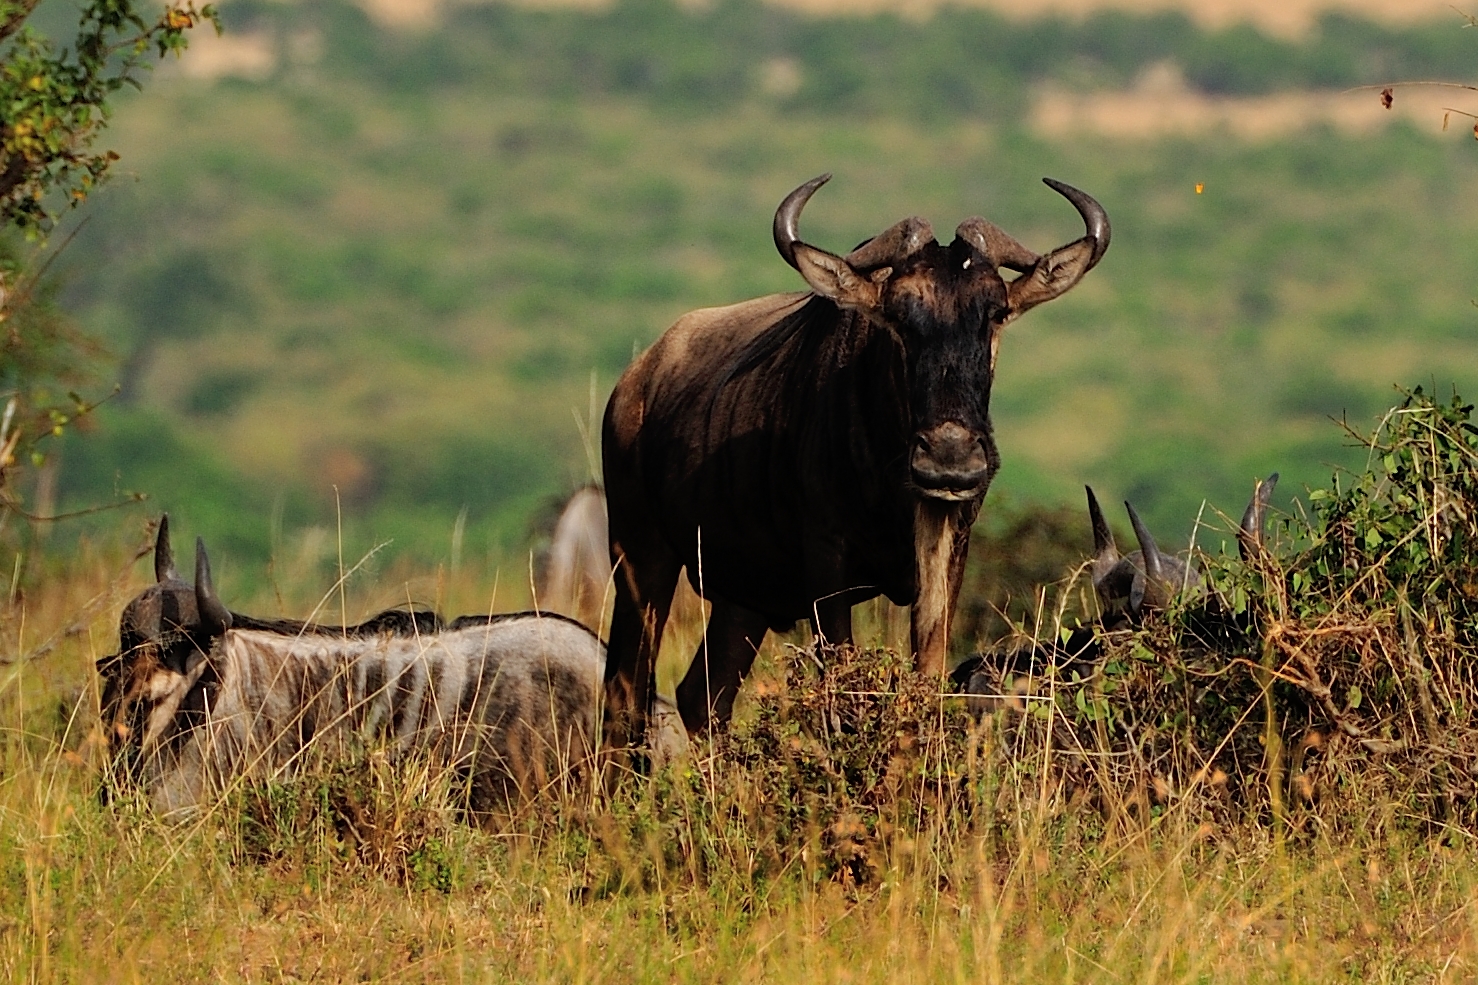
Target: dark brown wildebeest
{"type": "Point", "coordinates": [800, 453]}
{"type": "Point", "coordinates": [198, 695]}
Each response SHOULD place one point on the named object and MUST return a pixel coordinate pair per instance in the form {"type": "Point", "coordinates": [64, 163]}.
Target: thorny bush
{"type": "Point", "coordinates": [1326, 684]}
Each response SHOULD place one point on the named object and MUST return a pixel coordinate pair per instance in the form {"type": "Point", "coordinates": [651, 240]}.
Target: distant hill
{"type": "Point", "coordinates": [1288, 18]}
{"type": "Point", "coordinates": [400, 271]}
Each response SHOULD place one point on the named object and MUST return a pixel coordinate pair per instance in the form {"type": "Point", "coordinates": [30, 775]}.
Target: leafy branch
{"type": "Point", "coordinates": [54, 102]}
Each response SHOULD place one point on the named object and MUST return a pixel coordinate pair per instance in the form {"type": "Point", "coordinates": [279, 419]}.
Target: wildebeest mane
{"type": "Point", "coordinates": [392, 622]}
{"type": "Point", "coordinates": [804, 329]}
{"type": "Point", "coordinates": [410, 621]}
{"type": "Point", "coordinates": [492, 619]}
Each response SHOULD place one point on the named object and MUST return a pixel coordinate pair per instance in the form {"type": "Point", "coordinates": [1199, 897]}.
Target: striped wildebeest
{"type": "Point", "coordinates": [198, 695]}
{"type": "Point", "coordinates": [1130, 588]}
{"type": "Point", "coordinates": [799, 453]}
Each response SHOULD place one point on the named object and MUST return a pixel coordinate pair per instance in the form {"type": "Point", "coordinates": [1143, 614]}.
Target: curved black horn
{"type": "Point", "coordinates": [1103, 537]}
{"type": "Point", "coordinates": [902, 239]}
{"type": "Point", "coordinates": [215, 618]}
{"type": "Point", "coordinates": [1003, 249]}
{"type": "Point", "coordinates": [1154, 565]}
{"type": "Point", "coordinates": [164, 569]}
{"type": "Point", "coordinates": [1095, 219]}
{"type": "Point", "coordinates": [788, 217]}
{"type": "Point", "coordinates": [1254, 520]}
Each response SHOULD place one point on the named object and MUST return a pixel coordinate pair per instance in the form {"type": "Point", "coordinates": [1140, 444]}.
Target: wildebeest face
{"type": "Point", "coordinates": [947, 305]}
{"type": "Point", "coordinates": [947, 308]}
{"type": "Point", "coordinates": [163, 636]}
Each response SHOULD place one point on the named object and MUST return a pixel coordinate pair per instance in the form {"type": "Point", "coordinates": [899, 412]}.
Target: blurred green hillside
{"type": "Point", "coordinates": [409, 266]}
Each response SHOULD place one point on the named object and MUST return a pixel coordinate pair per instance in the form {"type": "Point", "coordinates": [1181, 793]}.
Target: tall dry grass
{"type": "Point", "coordinates": [1154, 811]}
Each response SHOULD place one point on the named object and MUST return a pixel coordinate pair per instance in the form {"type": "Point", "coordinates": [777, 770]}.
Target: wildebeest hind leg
{"type": "Point", "coordinates": [708, 689]}
{"type": "Point", "coordinates": [645, 579]}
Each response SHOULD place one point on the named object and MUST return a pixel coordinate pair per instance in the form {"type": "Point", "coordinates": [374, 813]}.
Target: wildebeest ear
{"type": "Point", "coordinates": [164, 569]}
{"type": "Point", "coordinates": [215, 618]}
{"type": "Point", "coordinates": [832, 277]}
{"type": "Point", "coordinates": [1254, 520]}
{"type": "Point", "coordinates": [1051, 277]}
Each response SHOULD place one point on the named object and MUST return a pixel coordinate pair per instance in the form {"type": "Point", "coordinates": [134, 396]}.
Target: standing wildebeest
{"type": "Point", "coordinates": [800, 453]}
{"type": "Point", "coordinates": [198, 695]}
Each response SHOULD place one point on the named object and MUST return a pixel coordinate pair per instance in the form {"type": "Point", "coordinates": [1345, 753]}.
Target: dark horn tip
{"type": "Point", "coordinates": [787, 216]}
{"type": "Point", "coordinates": [1147, 543]}
{"type": "Point", "coordinates": [208, 605]}
{"type": "Point", "coordinates": [1095, 219]}
{"type": "Point", "coordinates": [1103, 537]}
{"type": "Point", "coordinates": [164, 569]}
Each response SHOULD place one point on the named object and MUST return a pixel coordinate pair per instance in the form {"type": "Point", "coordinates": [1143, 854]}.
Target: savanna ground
{"type": "Point", "coordinates": [1291, 803]}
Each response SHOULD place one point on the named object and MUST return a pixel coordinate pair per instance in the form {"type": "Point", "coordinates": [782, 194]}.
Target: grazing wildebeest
{"type": "Point", "coordinates": [198, 695]}
{"type": "Point", "coordinates": [800, 453]}
{"type": "Point", "coordinates": [1148, 579]}
{"type": "Point", "coordinates": [1130, 588]}
{"type": "Point", "coordinates": [577, 577]}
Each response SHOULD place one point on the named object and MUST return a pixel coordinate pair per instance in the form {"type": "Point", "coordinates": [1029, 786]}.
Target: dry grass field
{"type": "Point", "coordinates": [853, 826]}
{"type": "Point", "coordinates": [398, 260]}
{"type": "Point", "coordinates": [667, 881]}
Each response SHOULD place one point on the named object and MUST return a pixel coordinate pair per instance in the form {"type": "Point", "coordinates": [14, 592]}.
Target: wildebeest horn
{"type": "Point", "coordinates": [1095, 219]}
{"type": "Point", "coordinates": [1157, 587]}
{"type": "Point", "coordinates": [164, 569]}
{"type": "Point", "coordinates": [788, 217]}
{"type": "Point", "coordinates": [999, 246]}
{"type": "Point", "coordinates": [215, 618]}
{"type": "Point", "coordinates": [1254, 520]}
{"type": "Point", "coordinates": [1103, 537]}
{"type": "Point", "coordinates": [1105, 551]}
{"type": "Point", "coordinates": [900, 240]}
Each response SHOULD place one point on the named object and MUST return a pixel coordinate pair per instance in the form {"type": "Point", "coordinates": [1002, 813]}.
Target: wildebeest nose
{"type": "Point", "coordinates": [949, 460]}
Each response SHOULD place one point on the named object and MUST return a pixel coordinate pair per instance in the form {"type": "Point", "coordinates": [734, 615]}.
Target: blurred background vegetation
{"type": "Point", "coordinates": [389, 275]}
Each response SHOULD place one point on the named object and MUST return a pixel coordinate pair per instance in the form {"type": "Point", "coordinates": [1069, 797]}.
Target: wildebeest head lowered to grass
{"type": "Point", "coordinates": [1130, 588]}
{"type": "Point", "coordinates": [198, 695]}
{"type": "Point", "coordinates": [800, 453]}
{"type": "Point", "coordinates": [1129, 585]}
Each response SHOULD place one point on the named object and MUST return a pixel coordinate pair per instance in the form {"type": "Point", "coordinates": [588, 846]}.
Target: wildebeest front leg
{"type": "Point", "coordinates": [832, 618]}
{"type": "Point", "coordinates": [941, 543]}
{"type": "Point", "coordinates": [723, 660]}
{"type": "Point", "coordinates": [644, 587]}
